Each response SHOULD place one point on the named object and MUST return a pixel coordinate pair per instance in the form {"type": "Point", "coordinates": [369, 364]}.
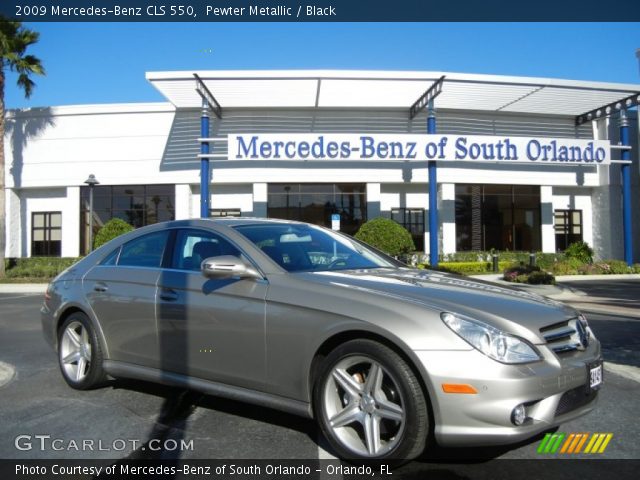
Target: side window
{"type": "Point", "coordinates": [145, 251]}
{"type": "Point", "coordinates": [193, 246]}
{"type": "Point", "coordinates": [111, 259]}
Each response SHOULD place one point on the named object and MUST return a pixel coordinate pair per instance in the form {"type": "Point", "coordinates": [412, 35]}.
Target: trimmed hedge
{"type": "Point", "coordinates": [386, 235]}
{"type": "Point", "coordinates": [44, 268]}
{"type": "Point", "coordinates": [110, 230]}
{"type": "Point", "coordinates": [503, 256]}
{"type": "Point", "coordinates": [466, 268]}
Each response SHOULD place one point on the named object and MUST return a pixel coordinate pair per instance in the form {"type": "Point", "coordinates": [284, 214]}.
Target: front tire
{"type": "Point", "coordinates": [369, 403]}
{"type": "Point", "coordinates": [79, 353]}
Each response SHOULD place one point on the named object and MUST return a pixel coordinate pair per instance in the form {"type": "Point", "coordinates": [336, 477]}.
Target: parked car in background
{"type": "Point", "coordinates": [306, 320]}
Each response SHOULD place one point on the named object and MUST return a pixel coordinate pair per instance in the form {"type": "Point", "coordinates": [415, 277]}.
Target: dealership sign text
{"type": "Point", "coordinates": [409, 147]}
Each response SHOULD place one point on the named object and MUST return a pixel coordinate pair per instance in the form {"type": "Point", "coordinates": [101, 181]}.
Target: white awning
{"type": "Point", "coordinates": [384, 89]}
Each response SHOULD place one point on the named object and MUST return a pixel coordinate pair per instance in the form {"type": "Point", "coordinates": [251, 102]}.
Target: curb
{"type": "Point", "coordinates": [627, 371]}
{"type": "Point", "coordinates": [23, 287]}
{"type": "Point", "coordinates": [581, 278]}
{"type": "Point", "coordinates": [559, 292]}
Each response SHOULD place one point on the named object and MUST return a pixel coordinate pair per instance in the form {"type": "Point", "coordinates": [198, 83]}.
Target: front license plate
{"type": "Point", "coordinates": [595, 376]}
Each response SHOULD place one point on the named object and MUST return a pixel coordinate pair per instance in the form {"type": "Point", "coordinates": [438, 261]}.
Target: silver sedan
{"type": "Point", "coordinates": [302, 319]}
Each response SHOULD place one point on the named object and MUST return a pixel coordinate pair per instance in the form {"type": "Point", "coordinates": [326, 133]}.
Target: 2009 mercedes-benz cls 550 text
{"type": "Point", "coordinates": [306, 320]}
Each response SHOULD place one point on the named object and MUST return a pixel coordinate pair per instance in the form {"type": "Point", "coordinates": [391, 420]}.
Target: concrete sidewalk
{"type": "Point", "coordinates": [573, 295]}
{"type": "Point", "coordinates": [23, 287]}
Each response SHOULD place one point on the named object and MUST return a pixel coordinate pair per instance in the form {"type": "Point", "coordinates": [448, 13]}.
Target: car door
{"type": "Point", "coordinates": [210, 328]}
{"type": "Point", "coordinates": [122, 293]}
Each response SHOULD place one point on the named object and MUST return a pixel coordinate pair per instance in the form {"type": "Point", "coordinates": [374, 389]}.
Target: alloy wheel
{"type": "Point", "coordinates": [75, 351]}
{"type": "Point", "coordinates": [363, 406]}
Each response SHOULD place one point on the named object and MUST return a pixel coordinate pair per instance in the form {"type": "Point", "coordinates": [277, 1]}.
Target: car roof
{"type": "Point", "coordinates": [232, 221]}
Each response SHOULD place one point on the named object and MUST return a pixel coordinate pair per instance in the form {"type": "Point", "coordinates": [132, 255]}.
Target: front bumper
{"type": "Point", "coordinates": [554, 390]}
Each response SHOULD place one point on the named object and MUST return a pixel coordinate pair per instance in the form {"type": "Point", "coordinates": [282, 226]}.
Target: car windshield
{"type": "Point", "coordinates": [299, 248]}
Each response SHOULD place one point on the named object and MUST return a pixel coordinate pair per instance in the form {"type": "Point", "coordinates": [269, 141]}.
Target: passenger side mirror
{"type": "Point", "coordinates": [227, 266]}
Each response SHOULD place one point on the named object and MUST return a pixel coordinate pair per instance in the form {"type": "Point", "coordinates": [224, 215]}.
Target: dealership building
{"type": "Point", "coordinates": [465, 162]}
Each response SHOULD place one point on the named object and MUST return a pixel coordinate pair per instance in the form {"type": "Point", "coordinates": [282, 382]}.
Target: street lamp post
{"type": "Point", "coordinates": [91, 181]}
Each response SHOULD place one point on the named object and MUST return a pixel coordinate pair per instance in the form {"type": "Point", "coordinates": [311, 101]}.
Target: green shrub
{"type": "Point", "coordinates": [528, 274]}
{"type": "Point", "coordinates": [386, 235]}
{"type": "Point", "coordinates": [580, 251]}
{"type": "Point", "coordinates": [466, 268]}
{"type": "Point", "coordinates": [541, 278]}
{"type": "Point", "coordinates": [618, 266]}
{"type": "Point", "coordinates": [43, 268]}
{"type": "Point", "coordinates": [570, 266]}
{"type": "Point", "coordinates": [110, 230]}
{"type": "Point", "coordinates": [544, 260]}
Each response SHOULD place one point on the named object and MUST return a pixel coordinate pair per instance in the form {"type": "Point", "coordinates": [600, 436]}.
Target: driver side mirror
{"type": "Point", "coordinates": [227, 266]}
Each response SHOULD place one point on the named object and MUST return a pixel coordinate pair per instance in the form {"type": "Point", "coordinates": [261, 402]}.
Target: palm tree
{"type": "Point", "coordinates": [14, 41]}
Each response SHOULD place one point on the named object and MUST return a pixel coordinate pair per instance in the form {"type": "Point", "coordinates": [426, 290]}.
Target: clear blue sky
{"type": "Point", "coordinates": [106, 62]}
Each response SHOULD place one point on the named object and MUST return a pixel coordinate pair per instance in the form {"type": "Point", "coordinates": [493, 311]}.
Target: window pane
{"type": "Point", "coordinates": [316, 188]}
{"type": "Point", "coordinates": [38, 235]}
{"type": "Point", "coordinates": [145, 251]}
{"type": "Point", "coordinates": [318, 202]}
{"type": "Point", "coordinates": [462, 189]}
{"type": "Point", "coordinates": [576, 217]}
{"type": "Point", "coordinates": [38, 220]}
{"type": "Point", "coordinates": [526, 190]}
{"type": "Point", "coordinates": [56, 220]}
{"type": "Point", "coordinates": [283, 188]}
{"type": "Point", "coordinates": [56, 234]}
{"type": "Point", "coordinates": [55, 248]}
{"type": "Point", "coordinates": [503, 217]}
{"type": "Point", "coordinates": [497, 190]}
{"type": "Point", "coordinates": [162, 190]}
{"type": "Point", "coordinates": [111, 258]}
{"type": "Point", "coordinates": [124, 190]}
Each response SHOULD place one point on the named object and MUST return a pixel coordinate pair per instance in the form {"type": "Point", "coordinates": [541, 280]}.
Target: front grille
{"type": "Point", "coordinates": [575, 398]}
{"type": "Point", "coordinates": [563, 337]}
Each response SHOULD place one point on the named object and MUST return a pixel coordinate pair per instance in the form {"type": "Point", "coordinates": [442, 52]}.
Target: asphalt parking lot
{"type": "Point", "coordinates": [37, 403]}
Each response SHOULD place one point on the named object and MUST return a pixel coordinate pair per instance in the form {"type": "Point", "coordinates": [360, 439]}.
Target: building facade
{"type": "Point", "coordinates": [146, 158]}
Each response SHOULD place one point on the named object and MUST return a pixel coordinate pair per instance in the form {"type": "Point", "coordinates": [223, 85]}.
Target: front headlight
{"type": "Point", "coordinates": [492, 342]}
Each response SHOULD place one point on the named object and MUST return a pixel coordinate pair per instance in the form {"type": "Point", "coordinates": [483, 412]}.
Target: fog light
{"type": "Point", "coordinates": [519, 415]}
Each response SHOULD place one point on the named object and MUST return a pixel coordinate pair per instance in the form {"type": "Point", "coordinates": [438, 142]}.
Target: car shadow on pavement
{"type": "Point", "coordinates": [168, 429]}
{"type": "Point", "coordinates": [223, 405]}
{"type": "Point", "coordinates": [436, 454]}
{"type": "Point", "coordinates": [462, 463]}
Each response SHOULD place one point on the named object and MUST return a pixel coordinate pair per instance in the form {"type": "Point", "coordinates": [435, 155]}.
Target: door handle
{"type": "Point", "coordinates": [100, 287]}
{"type": "Point", "coordinates": [168, 295]}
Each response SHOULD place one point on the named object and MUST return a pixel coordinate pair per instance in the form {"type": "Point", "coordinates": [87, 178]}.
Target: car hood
{"type": "Point", "coordinates": [511, 310]}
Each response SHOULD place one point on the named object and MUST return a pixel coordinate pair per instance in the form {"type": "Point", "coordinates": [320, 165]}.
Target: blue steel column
{"type": "Point", "coordinates": [433, 194]}
{"type": "Point", "coordinates": [204, 162]}
{"type": "Point", "coordinates": [626, 188]}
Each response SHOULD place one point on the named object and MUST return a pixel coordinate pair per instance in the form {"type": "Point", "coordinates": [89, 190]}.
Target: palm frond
{"type": "Point", "coordinates": [14, 41]}
{"type": "Point", "coordinates": [26, 84]}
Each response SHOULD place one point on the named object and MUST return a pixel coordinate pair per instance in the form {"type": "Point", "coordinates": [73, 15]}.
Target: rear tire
{"type": "Point", "coordinates": [79, 353]}
{"type": "Point", "coordinates": [370, 405]}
